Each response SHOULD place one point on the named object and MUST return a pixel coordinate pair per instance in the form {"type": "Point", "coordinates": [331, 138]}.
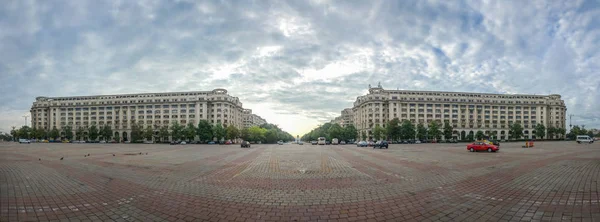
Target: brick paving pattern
{"type": "Point", "coordinates": [554, 181]}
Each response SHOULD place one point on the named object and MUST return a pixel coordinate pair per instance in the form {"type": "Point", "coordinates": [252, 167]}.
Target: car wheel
{"type": "Point", "coordinates": [490, 150]}
{"type": "Point", "coordinates": [472, 150]}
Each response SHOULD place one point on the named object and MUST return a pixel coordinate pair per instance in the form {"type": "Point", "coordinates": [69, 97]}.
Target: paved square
{"type": "Point", "coordinates": [553, 181]}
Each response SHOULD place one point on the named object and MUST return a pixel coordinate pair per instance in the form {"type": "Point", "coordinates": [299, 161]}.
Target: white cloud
{"type": "Point", "coordinates": [282, 57]}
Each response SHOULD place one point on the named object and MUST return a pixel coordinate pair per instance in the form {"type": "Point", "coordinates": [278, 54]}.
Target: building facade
{"type": "Point", "coordinates": [251, 119]}
{"type": "Point", "coordinates": [120, 112]}
{"type": "Point", "coordinates": [467, 112]}
{"type": "Point", "coordinates": [346, 118]}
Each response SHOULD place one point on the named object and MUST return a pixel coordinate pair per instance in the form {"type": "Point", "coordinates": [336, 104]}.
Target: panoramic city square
{"type": "Point", "coordinates": [552, 181]}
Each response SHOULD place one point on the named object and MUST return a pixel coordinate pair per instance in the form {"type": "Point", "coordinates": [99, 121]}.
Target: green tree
{"type": "Point", "coordinates": [421, 131]}
{"type": "Point", "coordinates": [551, 131]}
{"type": "Point", "coordinates": [232, 132]}
{"type": "Point", "coordinates": [107, 133]}
{"type": "Point", "coordinates": [190, 132]}
{"type": "Point", "coordinates": [335, 131]}
{"type": "Point", "coordinates": [560, 132]}
{"type": "Point", "coordinates": [25, 132]}
{"type": "Point", "coordinates": [434, 130]}
{"type": "Point", "coordinates": [68, 130]}
{"type": "Point", "coordinates": [219, 132]}
{"type": "Point", "coordinates": [408, 130]}
{"type": "Point", "coordinates": [79, 133]}
{"type": "Point", "coordinates": [204, 131]}
{"type": "Point", "coordinates": [350, 132]}
{"type": "Point", "coordinates": [448, 130]}
{"type": "Point", "coordinates": [479, 135]}
{"type": "Point", "coordinates": [148, 133]}
{"type": "Point", "coordinates": [14, 133]}
{"type": "Point", "coordinates": [54, 133]}
{"type": "Point", "coordinates": [471, 136]}
{"type": "Point", "coordinates": [393, 129]}
{"type": "Point", "coordinates": [137, 133]}
{"type": "Point", "coordinates": [256, 133]}
{"type": "Point", "coordinates": [540, 131]}
{"type": "Point", "coordinates": [245, 134]}
{"type": "Point", "coordinates": [92, 132]}
{"type": "Point", "coordinates": [163, 133]}
{"type": "Point", "coordinates": [364, 135]}
{"type": "Point", "coordinates": [516, 131]}
{"type": "Point", "coordinates": [176, 131]}
{"type": "Point", "coordinates": [378, 132]}
{"type": "Point", "coordinates": [271, 136]}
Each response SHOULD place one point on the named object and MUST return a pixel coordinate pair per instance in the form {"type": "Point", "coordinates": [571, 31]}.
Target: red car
{"type": "Point", "coordinates": [481, 146]}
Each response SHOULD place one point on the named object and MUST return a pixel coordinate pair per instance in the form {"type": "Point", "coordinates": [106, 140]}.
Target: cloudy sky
{"type": "Point", "coordinates": [299, 63]}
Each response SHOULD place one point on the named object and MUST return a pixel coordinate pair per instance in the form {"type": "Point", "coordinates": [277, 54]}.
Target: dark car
{"type": "Point", "coordinates": [381, 144]}
{"type": "Point", "coordinates": [174, 142]}
{"type": "Point", "coordinates": [245, 144]}
{"type": "Point", "coordinates": [495, 142]}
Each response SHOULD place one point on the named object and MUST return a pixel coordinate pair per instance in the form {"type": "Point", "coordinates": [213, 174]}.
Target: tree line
{"type": "Point", "coordinates": [397, 130]}
{"type": "Point", "coordinates": [203, 132]}
{"type": "Point", "coordinates": [331, 131]}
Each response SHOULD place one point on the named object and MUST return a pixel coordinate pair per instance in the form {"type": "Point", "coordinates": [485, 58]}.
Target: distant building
{"type": "Point", "coordinates": [251, 119]}
{"type": "Point", "coordinates": [121, 111]}
{"type": "Point", "coordinates": [467, 112]}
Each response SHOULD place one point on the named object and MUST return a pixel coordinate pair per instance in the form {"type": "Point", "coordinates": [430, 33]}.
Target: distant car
{"type": "Point", "coordinates": [102, 141]}
{"type": "Point", "coordinates": [183, 143]}
{"type": "Point", "coordinates": [343, 143]}
{"type": "Point", "coordinates": [452, 141]}
{"type": "Point", "coordinates": [313, 142]}
{"type": "Point", "coordinates": [228, 142]}
{"type": "Point", "coordinates": [495, 142]}
{"type": "Point", "coordinates": [327, 142]}
{"type": "Point", "coordinates": [362, 144]}
{"type": "Point", "coordinates": [245, 144]}
{"type": "Point", "coordinates": [280, 142]}
{"type": "Point", "coordinates": [300, 143]}
{"type": "Point", "coordinates": [211, 142]}
{"type": "Point", "coordinates": [371, 143]}
{"type": "Point", "coordinates": [381, 144]}
{"type": "Point", "coordinates": [24, 141]}
{"type": "Point", "coordinates": [417, 141]}
{"type": "Point", "coordinates": [481, 146]}
{"type": "Point", "coordinates": [174, 143]}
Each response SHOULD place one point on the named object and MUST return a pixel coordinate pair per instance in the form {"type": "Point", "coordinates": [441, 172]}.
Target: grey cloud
{"type": "Point", "coordinates": [97, 47]}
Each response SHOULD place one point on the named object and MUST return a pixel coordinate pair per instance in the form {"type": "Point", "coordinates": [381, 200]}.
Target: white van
{"type": "Point", "coordinates": [584, 139]}
{"type": "Point", "coordinates": [334, 141]}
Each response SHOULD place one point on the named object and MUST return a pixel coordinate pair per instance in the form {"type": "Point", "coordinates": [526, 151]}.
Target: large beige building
{"type": "Point", "coordinates": [146, 109]}
{"type": "Point", "coordinates": [467, 112]}
{"type": "Point", "coordinates": [346, 118]}
{"type": "Point", "coordinates": [251, 119]}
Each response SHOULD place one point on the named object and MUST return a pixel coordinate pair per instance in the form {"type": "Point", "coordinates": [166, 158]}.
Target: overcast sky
{"type": "Point", "coordinates": [299, 63]}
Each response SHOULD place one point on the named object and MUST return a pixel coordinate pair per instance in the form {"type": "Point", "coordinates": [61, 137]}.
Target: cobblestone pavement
{"type": "Point", "coordinates": [554, 181]}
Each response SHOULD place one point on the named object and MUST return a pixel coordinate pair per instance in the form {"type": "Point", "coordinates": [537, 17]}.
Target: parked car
{"type": "Point", "coordinates": [183, 143]}
{"type": "Point", "coordinates": [362, 144]}
{"type": "Point", "coordinates": [381, 144]}
{"type": "Point", "coordinates": [371, 143]}
{"type": "Point", "coordinates": [245, 144]}
{"type": "Point", "coordinates": [102, 141]}
{"type": "Point", "coordinates": [300, 143]}
{"type": "Point", "coordinates": [228, 142]}
{"type": "Point", "coordinates": [211, 142]}
{"type": "Point", "coordinates": [481, 146]}
{"type": "Point", "coordinates": [495, 142]}
{"type": "Point", "coordinates": [452, 141]}
{"type": "Point", "coordinates": [280, 142]}
{"type": "Point", "coordinates": [334, 141]}
{"type": "Point", "coordinates": [343, 143]}
{"type": "Point", "coordinates": [174, 143]}
{"type": "Point", "coordinates": [417, 141]}
{"type": "Point", "coordinates": [313, 142]}
{"type": "Point", "coordinates": [24, 141]}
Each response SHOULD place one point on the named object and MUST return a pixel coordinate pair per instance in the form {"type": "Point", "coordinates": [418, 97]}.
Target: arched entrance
{"type": "Point", "coordinates": [526, 134]}
{"type": "Point", "coordinates": [502, 135]}
{"type": "Point", "coordinates": [463, 134]}
{"type": "Point", "coordinates": [116, 135]}
{"type": "Point", "coordinates": [124, 138]}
